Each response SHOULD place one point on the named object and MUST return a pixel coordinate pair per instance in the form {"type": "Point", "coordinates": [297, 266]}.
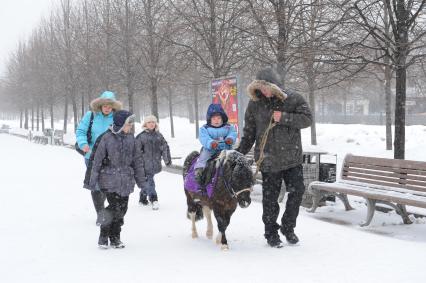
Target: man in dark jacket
{"type": "Point", "coordinates": [285, 113]}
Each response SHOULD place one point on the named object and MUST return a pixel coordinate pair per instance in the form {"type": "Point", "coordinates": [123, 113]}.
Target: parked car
{"type": "Point", "coordinates": [4, 128]}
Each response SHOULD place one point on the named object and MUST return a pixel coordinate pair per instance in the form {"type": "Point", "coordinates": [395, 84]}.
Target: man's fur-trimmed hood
{"type": "Point", "coordinates": [266, 78]}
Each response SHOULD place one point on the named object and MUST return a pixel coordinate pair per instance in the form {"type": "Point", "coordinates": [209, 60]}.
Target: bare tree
{"type": "Point", "coordinates": [403, 47]}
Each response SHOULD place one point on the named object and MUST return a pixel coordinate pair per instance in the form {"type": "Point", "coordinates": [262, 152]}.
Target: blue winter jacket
{"type": "Point", "coordinates": [99, 126]}
{"type": "Point", "coordinates": [209, 134]}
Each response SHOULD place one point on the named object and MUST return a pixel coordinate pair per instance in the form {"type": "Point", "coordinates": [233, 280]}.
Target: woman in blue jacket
{"type": "Point", "coordinates": [102, 108]}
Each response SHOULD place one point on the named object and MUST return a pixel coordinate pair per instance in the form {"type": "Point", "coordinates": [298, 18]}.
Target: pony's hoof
{"type": "Point", "coordinates": [219, 238]}
{"type": "Point", "coordinates": [224, 248]}
{"type": "Point", "coordinates": [194, 235]}
{"type": "Point", "coordinates": [209, 235]}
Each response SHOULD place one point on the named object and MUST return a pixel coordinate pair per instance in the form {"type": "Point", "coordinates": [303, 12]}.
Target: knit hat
{"type": "Point", "coordinates": [121, 118]}
{"type": "Point", "coordinates": [107, 97]}
{"type": "Point", "coordinates": [269, 78]}
{"type": "Point", "coordinates": [150, 118]}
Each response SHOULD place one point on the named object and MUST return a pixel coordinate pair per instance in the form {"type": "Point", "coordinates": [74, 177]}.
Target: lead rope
{"type": "Point", "coordinates": [262, 146]}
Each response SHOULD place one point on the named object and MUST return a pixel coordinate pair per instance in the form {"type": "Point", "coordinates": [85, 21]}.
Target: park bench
{"type": "Point", "coordinates": [392, 182]}
{"type": "Point", "coordinates": [58, 137]}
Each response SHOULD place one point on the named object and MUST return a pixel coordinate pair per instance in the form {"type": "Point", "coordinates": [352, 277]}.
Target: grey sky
{"type": "Point", "coordinates": [17, 20]}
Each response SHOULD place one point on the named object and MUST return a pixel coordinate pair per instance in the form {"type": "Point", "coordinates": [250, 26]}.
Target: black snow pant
{"type": "Point", "coordinates": [114, 215]}
{"type": "Point", "coordinates": [98, 198]}
{"type": "Point", "coordinates": [293, 178]}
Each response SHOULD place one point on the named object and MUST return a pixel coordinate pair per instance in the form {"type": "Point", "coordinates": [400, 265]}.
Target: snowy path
{"type": "Point", "coordinates": [48, 234]}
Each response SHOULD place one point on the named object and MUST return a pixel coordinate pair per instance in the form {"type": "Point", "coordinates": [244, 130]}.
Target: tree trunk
{"type": "Point", "coordinates": [82, 105]}
{"type": "Point", "coordinates": [172, 127]}
{"type": "Point", "coordinates": [52, 121]}
{"type": "Point", "coordinates": [195, 93]}
{"type": "Point", "coordinates": [21, 118]}
{"type": "Point", "coordinates": [154, 98]}
{"type": "Point", "coordinates": [401, 78]}
{"type": "Point", "coordinates": [42, 119]}
{"type": "Point", "coordinates": [388, 102]}
{"type": "Point", "coordinates": [38, 117]}
{"type": "Point", "coordinates": [139, 112]}
{"type": "Point", "coordinates": [65, 114]}
{"type": "Point", "coordinates": [312, 106]}
{"type": "Point", "coordinates": [190, 110]}
{"type": "Point", "coordinates": [130, 95]}
{"type": "Point", "coordinates": [399, 143]}
{"type": "Point", "coordinates": [280, 14]}
{"type": "Point", "coordinates": [26, 119]}
{"type": "Point", "coordinates": [75, 111]}
{"type": "Point", "coordinates": [32, 117]}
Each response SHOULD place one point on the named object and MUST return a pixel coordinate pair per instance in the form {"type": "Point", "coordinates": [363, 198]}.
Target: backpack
{"type": "Point", "coordinates": [89, 136]}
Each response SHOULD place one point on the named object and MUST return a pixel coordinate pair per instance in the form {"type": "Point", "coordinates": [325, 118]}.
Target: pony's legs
{"type": "Point", "coordinates": [222, 223]}
{"type": "Point", "coordinates": [208, 214]}
{"type": "Point", "coordinates": [194, 228]}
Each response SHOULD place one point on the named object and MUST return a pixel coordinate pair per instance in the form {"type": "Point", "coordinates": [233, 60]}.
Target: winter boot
{"type": "Point", "coordinates": [291, 237]}
{"type": "Point", "coordinates": [143, 200]}
{"type": "Point", "coordinates": [155, 205]}
{"type": "Point", "coordinates": [114, 237]}
{"type": "Point", "coordinates": [274, 241]}
{"type": "Point", "coordinates": [154, 202]}
{"type": "Point", "coordinates": [103, 238]}
{"type": "Point", "coordinates": [116, 243]}
{"type": "Point", "coordinates": [103, 242]}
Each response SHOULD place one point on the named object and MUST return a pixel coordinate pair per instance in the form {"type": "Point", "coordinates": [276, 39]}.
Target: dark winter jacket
{"type": "Point", "coordinates": [283, 147]}
{"type": "Point", "coordinates": [153, 147]}
{"type": "Point", "coordinates": [115, 164]}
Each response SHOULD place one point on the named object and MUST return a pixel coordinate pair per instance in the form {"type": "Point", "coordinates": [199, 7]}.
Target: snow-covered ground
{"type": "Point", "coordinates": [48, 231]}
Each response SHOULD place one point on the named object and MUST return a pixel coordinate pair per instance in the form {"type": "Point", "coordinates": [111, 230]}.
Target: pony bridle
{"type": "Point", "coordinates": [231, 190]}
{"type": "Point", "coordinates": [226, 182]}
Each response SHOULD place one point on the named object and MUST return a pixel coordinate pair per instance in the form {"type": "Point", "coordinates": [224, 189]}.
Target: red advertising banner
{"type": "Point", "coordinates": [224, 91]}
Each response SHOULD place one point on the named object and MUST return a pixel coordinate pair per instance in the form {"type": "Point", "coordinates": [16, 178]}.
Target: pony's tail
{"type": "Point", "coordinates": [193, 207]}
{"type": "Point", "coordinates": [198, 209]}
{"type": "Point", "coordinates": [188, 161]}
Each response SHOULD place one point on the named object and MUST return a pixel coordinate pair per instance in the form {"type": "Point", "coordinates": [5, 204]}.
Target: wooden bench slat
{"type": "Point", "coordinates": [397, 163]}
{"type": "Point", "coordinates": [385, 173]}
{"type": "Point", "coordinates": [391, 196]}
{"type": "Point", "coordinates": [381, 187]}
{"type": "Point", "coordinates": [387, 181]}
{"type": "Point", "coordinates": [384, 184]}
{"type": "Point", "coordinates": [386, 168]}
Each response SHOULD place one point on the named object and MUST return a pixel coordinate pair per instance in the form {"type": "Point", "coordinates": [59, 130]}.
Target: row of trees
{"type": "Point", "coordinates": [164, 53]}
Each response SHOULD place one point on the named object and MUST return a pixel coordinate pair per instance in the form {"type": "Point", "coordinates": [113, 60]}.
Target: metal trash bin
{"type": "Point", "coordinates": [314, 170]}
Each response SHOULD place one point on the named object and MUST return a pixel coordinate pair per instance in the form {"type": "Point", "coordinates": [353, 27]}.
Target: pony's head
{"type": "Point", "coordinates": [238, 176]}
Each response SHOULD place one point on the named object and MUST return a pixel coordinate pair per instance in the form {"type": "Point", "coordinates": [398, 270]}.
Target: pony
{"type": "Point", "coordinates": [231, 184]}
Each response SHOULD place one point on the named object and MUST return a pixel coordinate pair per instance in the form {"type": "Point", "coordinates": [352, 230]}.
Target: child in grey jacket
{"type": "Point", "coordinates": [154, 148]}
{"type": "Point", "coordinates": [116, 165]}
